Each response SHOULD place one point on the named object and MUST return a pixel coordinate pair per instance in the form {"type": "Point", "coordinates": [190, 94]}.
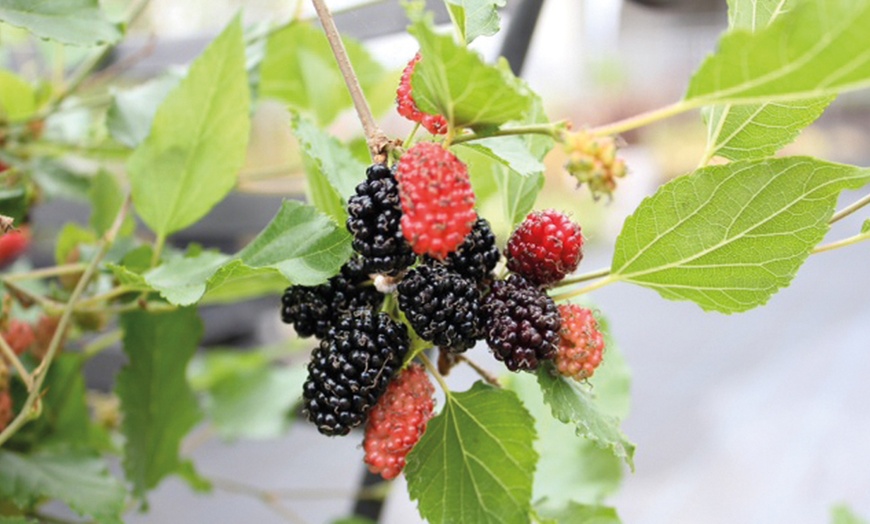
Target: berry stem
{"type": "Point", "coordinates": [484, 374]}
{"type": "Point", "coordinates": [561, 297]}
{"type": "Point", "coordinates": [101, 343]}
{"type": "Point", "coordinates": [848, 210]}
{"type": "Point", "coordinates": [644, 119]}
{"type": "Point", "coordinates": [30, 410]}
{"type": "Point", "coordinates": [66, 269]}
{"type": "Point", "coordinates": [434, 371]}
{"type": "Point", "coordinates": [842, 243]}
{"type": "Point", "coordinates": [553, 130]}
{"type": "Point", "coordinates": [375, 138]}
{"type": "Point", "coordinates": [592, 275]}
{"type": "Point", "coordinates": [10, 355]}
{"type": "Point", "coordinates": [24, 296]}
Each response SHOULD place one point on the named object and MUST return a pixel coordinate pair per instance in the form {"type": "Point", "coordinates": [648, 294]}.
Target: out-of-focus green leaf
{"type": "Point", "coordinates": [77, 22]}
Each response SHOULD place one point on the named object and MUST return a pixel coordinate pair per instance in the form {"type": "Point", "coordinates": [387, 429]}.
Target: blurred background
{"type": "Point", "coordinates": [759, 417]}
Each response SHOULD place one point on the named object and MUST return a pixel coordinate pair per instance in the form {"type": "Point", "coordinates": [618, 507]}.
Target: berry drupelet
{"type": "Point", "coordinates": [545, 247]}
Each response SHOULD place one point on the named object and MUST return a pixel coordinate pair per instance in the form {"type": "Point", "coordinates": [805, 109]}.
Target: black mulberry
{"type": "Point", "coordinates": [374, 220]}
{"type": "Point", "coordinates": [351, 368]}
{"type": "Point", "coordinates": [477, 256]}
{"type": "Point", "coordinates": [521, 323]}
{"type": "Point", "coordinates": [442, 306]}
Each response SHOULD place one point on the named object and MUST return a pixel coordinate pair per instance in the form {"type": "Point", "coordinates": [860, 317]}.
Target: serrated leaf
{"type": "Point", "coordinates": [300, 242]}
{"type": "Point", "coordinates": [246, 393]}
{"type": "Point", "coordinates": [518, 193]}
{"type": "Point", "coordinates": [198, 139]}
{"type": "Point", "coordinates": [321, 193]}
{"type": "Point", "coordinates": [159, 407]}
{"type": "Point", "coordinates": [572, 403]}
{"type": "Point", "coordinates": [235, 281]}
{"type": "Point", "coordinates": [183, 280]}
{"type": "Point", "coordinates": [475, 462]}
{"type": "Point", "coordinates": [17, 99]}
{"type": "Point", "coordinates": [512, 152]}
{"type": "Point", "coordinates": [453, 81]}
{"type": "Point", "coordinates": [334, 160]}
{"type": "Point", "coordinates": [131, 114]}
{"type": "Point", "coordinates": [584, 514]}
{"type": "Point", "coordinates": [475, 18]}
{"type": "Point", "coordinates": [77, 479]}
{"type": "Point", "coordinates": [816, 49]}
{"type": "Point", "coordinates": [569, 468]}
{"type": "Point", "coordinates": [728, 237]}
{"type": "Point", "coordinates": [300, 69]}
{"type": "Point", "coordinates": [77, 22]}
{"type": "Point", "coordinates": [758, 130]}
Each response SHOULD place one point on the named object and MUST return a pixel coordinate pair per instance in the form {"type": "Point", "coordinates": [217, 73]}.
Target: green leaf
{"type": "Point", "coordinates": [572, 403]}
{"type": "Point", "coordinates": [131, 114]}
{"type": "Point", "coordinates": [300, 70]}
{"type": "Point", "coordinates": [301, 243]}
{"type": "Point", "coordinates": [77, 22]}
{"type": "Point", "coordinates": [453, 81]}
{"type": "Point", "coordinates": [475, 462]}
{"type": "Point", "coordinates": [321, 193]}
{"type": "Point", "coordinates": [512, 152]}
{"type": "Point", "coordinates": [816, 49]}
{"type": "Point", "coordinates": [247, 394]}
{"type": "Point", "coordinates": [842, 514]}
{"type": "Point", "coordinates": [159, 407]}
{"type": "Point", "coordinates": [866, 226]}
{"type": "Point", "coordinates": [65, 413]}
{"type": "Point", "coordinates": [17, 99]}
{"type": "Point", "coordinates": [518, 193]}
{"type": "Point", "coordinates": [69, 239]}
{"type": "Point", "coordinates": [56, 180]}
{"type": "Point", "coordinates": [569, 468]}
{"type": "Point", "coordinates": [334, 160]}
{"type": "Point", "coordinates": [17, 520]}
{"type": "Point", "coordinates": [75, 478]}
{"type": "Point", "coordinates": [728, 237]}
{"type": "Point", "coordinates": [584, 514]}
{"type": "Point", "coordinates": [107, 197]}
{"type": "Point", "coordinates": [198, 139]}
{"type": "Point", "coordinates": [758, 130]}
{"type": "Point", "coordinates": [475, 18]}
{"type": "Point", "coordinates": [183, 280]}
{"type": "Point", "coordinates": [235, 282]}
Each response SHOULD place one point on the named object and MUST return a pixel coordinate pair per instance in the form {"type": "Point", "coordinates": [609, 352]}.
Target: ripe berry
{"type": "Point", "coordinates": [441, 306]}
{"type": "Point", "coordinates": [351, 368]}
{"type": "Point", "coordinates": [374, 220]}
{"type": "Point", "coordinates": [437, 200]}
{"type": "Point", "coordinates": [19, 335]}
{"type": "Point", "coordinates": [13, 244]}
{"type": "Point", "coordinates": [521, 323]}
{"type": "Point", "coordinates": [545, 247]}
{"type": "Point", "coordinates": [313, 310]}
{"type": "Point", "coordinates": [477, 256]}
{"type": "Point", "coordinates": [435, 124]}
{"type": "Point", "coordinates": [397, 421]}
{"type": "Point", "coordinates": [581, 344]}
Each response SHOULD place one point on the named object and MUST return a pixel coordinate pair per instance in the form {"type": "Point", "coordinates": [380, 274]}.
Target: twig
{"type": "Point", "coordinates": [643, 119]}
{"type": "Point", "coordinates": [54, 271]}
{"type": "Point", "coordinates": [592, 275]}
{"type": "Point", "coordinates": [553, 130]}
{"type": "Point", "coordinates": [434, 370]}
{"type": "Point", "coordinates": [41, 371]}
{"type": "Point", "coordinates": [842, 243]}
{"type": "Point", "coordinates": [484, 374]}
{"type": "Point", "coordinates": [848, 210]}
{"type": "Point", "coordinates": [376, 139]}
{"type": "Point", "coordinates": [10, 355]}
{"type": "Point", "coordinates": [582, 291]}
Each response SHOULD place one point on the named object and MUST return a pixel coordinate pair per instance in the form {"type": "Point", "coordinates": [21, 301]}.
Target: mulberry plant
{"type": "Point", "coordinates": [410, 253]}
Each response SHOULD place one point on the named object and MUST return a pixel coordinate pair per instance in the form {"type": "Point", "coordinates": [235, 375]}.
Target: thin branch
{"type": "Point", "coordinates": [54, 271]}
{"type": "Point", "coordinates": [848, 210]}
{"type": "Point", "coordinates": [553, 130]}
{"type": "Point", "coordinates": [592, 275]}
{"type": "Point", "coordinates": [842, 243]}
{"type": "Point", "coordinates": [434, 370]}
{"type": "Point", "coordinates": [10, 355]}
{"type": "Point", "coordinates": [582, 291]}
{"type": "Point", "coordinates": [643, 119]}
{"type": "Point", "coordinates": [39, 374]}
{"type": "Point", "coordinates": [375, 138]}
{"type": "Point", "coordinates": [25, 296]}
{"type": "Point", "coordinates": [484, 374]}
